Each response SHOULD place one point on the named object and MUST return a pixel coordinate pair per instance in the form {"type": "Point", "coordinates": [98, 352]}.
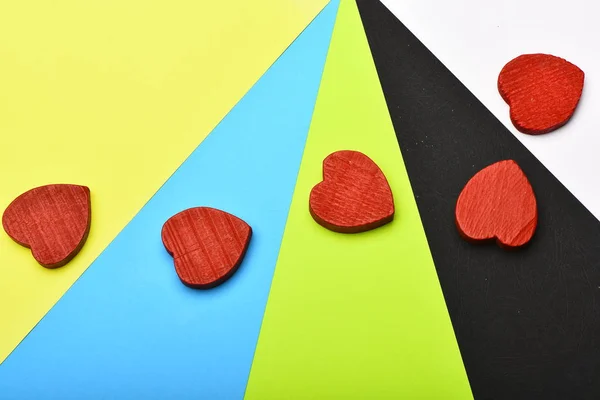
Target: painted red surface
{"type": "Point", "coordinates": [498, 203]}
{"type": "Point", "coordinates": [541, 90]}
{"type": "Point", "coordinates": [53, 221]}
{"type": "Point", "coordinates": [354, 195]}
{"type": "Point", "coordinates": [208, 245]}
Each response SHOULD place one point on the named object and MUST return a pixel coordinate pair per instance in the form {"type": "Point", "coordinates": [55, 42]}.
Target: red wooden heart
{"type": "Point", "coordinates": [208, 245]}
{"type": "Point", "coordinates": [541, 90]}
{"type": "Point", "coordinates": [354, 195]}
{"type": "Point", "coordinates": [498, 203]}
{"type": "Point", "coordinates": [53, 221]}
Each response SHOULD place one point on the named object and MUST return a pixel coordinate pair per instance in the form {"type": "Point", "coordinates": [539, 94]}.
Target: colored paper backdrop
{"type": "Point", "coordinates": [355, 316]}
{"type": "Point", "coordinates": [115, 95]}
{"type": "Point", "coordinates": [128, 328]}
{"type": "Point", "coordinates": [526, 321]}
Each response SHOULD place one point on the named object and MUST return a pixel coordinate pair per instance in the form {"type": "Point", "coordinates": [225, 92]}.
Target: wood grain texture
{"type": "Point", "coordinates": [542, 91]}
{"type": "Point", "coordinates": [53, 221]}
{"type": "Point", "coordinates": [354, 195]}
{"type": "Point", "coordinates": [208, 245]}
{"type": "Point", "coordinates": [498, 203]}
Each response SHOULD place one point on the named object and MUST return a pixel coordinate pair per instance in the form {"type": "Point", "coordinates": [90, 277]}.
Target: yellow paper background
{"type": "Point", "coordinates": [115, 95]}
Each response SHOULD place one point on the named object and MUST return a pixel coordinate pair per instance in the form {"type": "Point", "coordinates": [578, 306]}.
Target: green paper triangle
{"type": "Point", "coordinates": [355, 316]}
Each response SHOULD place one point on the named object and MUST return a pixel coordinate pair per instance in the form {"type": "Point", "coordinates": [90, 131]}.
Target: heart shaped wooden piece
{"type": "Point", "coordinates": [53, 221]}
{"type": "Point", "coordinates": [541, 90]}
{"type": "Point", "coordinates": [498, 203]}
{"type": "Point", "coordinates": [354, 195]}
{"type": "Point", "coordinates": [208, 245]}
